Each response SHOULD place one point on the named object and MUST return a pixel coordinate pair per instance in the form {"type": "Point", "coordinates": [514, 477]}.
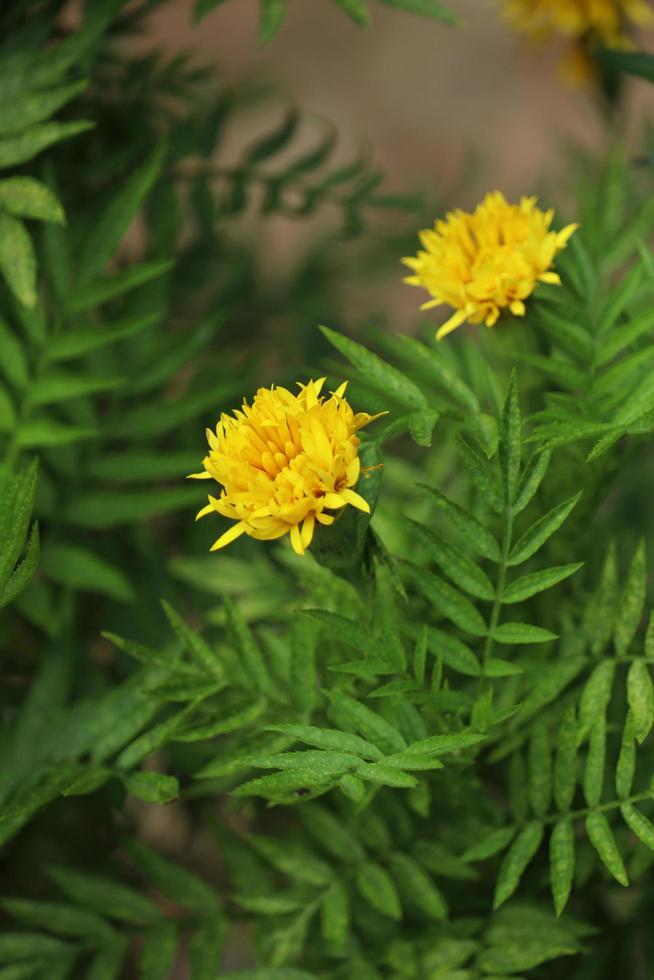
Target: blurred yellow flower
{"type": "Point", "coordinates": [606, 20]}
{"type": "Point", "coordinates": [486, 262]}
{"type": "Point", "coordinates": [284, 463]}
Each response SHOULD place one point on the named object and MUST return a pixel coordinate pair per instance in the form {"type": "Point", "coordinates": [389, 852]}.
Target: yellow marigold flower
{"type": "Point", "coordinates": [486, 262]}
{"type": "Point", "coordinates": [285, 462]}
{"type": "Point", "coordinates": [606, 21]}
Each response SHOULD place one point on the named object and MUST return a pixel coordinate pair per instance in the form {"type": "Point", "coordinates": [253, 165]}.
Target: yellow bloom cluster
{"type": "Point", "coordinates": [486, 262]}
{"type": "Point", "coordinates": [285, 462]}
{"type": "Point", "coordinates": [605, 19]}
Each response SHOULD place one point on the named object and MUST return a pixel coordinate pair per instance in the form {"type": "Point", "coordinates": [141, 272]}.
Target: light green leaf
{"type": "Point", "coordinates": [17, 259]}
{"type": "Point", "coordinates": [528, 585]}
{"type": "Point", "coordinates": [376, 886]}
{"type": "Point", "coordinates": [7, 410]}
{"type": "Point", "coordinates": [371, 726]}
{"type": "Point", "coordinates": [14, 360]}
{"type": "Point", "coordinates": [511, 442]}
{"type": "Point", "coordinates": [595, 697]}
{"type": "Point", "coordinates": [602, 839]}
{"type": "Point", "coordinates": [107, 963]}
{"type": "Point", "coordinates": [23, 571]}
{"type": "Point", "coordinates": [116, 284]}
{"type": "Point", "coordinates": [330, 740]}
{"type": "Point", "coordinates": [380, 375]}
{"type": "Point", "coordinates": [632, 601]}
{"type": "Point", "coordinates": [58, 386]}
{"type": "Point", "coordinates": [562, 863]}
{"type": "Point", "coordinates": [539, 532]}
{"type": "Point", "coordinates": [74, 566]}
{"type": "Point", "coordinates": [57, 917]}
{"type": "Point", "coordinates": [152, 787]}
{"type": "Point", "coordinates": [638, 824]}
{"type": "Point", "coordinates": [335, 916]}
{"type": "Point", "coordinates": [475, 534]}
{"type": "Point", "coordinates": [455, 563]}
{"type": "Point", "coordinates": [496, 841]}
{"type": "Point", "coordinates": [99, 509]}
{"type": "Point", "coordinates": [519, 633]}
{"type": "Point", "coordinates": [516, 860]}
{"type": "Point", "coordinates": [29, 198]}
{"type": "Point", "coordinates": [448, 601]}
{"type": "Point", "coordinates": [191, 640]}
{"type": "Point", "coordinates": [65, 346]}
{"type": "Point", "coordinates": [357, 10]}
{"type": "Point", "coordinates": [640, 696]}
{"type": "Point", "coordinates": [271, 17]}
{"type": "Point", "coordinates": [532, 477]}
{"type": "Point", "coordinates": [481, 474]}
{"type": "Point", "coordinates": [45, 433]}
{"type": "Point", "coordinates": [453, 652]}
{"type": "Point", "coordinates": [626, 765]}
{"type": "Point", "coordinates": [23, 146]}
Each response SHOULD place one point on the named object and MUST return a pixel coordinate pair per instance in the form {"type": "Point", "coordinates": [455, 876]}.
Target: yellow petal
{"type": "Point", "coordinates": [451, 324]}
{"type": "Point", "coordinates": [356, 500]}
{"type": "Point", "coordinates": [208, 509]}
{"type": "Point", "coordinates": [199, 476]}
{"type": "Point", "coordinates": [234, 532]}
{"type": "Point", "coordinates": [307, 529]}
{"type": "Point", "coordinates": [296, 540]}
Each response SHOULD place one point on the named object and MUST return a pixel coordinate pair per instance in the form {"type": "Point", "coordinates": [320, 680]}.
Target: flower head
{"type": "Point", "coordinates": [285, 462]}
{"type": "Point", "coordinates": [486, 262]}
{"type": "Point", "coordinates": [584, 23]}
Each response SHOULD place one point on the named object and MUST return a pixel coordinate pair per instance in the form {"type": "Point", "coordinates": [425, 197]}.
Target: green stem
{"type": "Point", "coordinates": [601, 808]}
{"type": "Point", "coordinates": [507, 534]}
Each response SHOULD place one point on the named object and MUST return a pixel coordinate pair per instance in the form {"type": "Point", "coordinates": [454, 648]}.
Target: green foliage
{"type": "Point", "coordinates": [380, 759]}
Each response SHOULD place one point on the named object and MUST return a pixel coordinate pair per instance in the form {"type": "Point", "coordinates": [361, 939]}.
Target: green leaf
{"type": "Point", "coordinates": [204, 7]}
{"type": "Point", "coordinates": [602, 609]}
{"type": "Point", "coordinates": [481, 474]}
{"type": "Point", "coordinates": [292, 859]}
{"type": "Point", "coordinates": [29, 198]}
{"type": "Point", "coordinates": [511, 442]}
{"type": "Point", "coordinates": [421, 426]}
{"type": "Point", "coordinates": [516, 860]}
{"type": "Point", "coordinates": [246, 644]}
{"type": "Point", "coordinates": [58, 386]}
{"type": "Point", "coordinates": [271, 17]}
{"type": "Point", "coordinates": [158, 952]}
{"type": "Point", "coordinates": [602, 839]}
{"type": "Point", "coordinates": [380, 375]}
{"type": "Point", "coordinates": [475, 534]}
{"type": "Point", "coordinates": [562, 863]}
{"type": "Point", "coordinates": [17, 259]}
{"type": "Point", "coordinates": [632, 62]}
{"type": "Point", "coordinates": [455, 563]}
{"type": "Point", "coordinates": [74, 566]}
{"type": "Point", "coordinates": [542, 529]}
{"type": "Point", "coordinates": [425, 8]}
{"type": "Point", "coordinates": [335, 916]}
{"type": "Point", "coordinates": [565, 763]}
{"type": "Point", "coordinates": [595, 762]}
{"type": "Point", "coordinates": [108, 961]}
{"type": "Point", "coordinates": [357, 10]}
{"type": "Point", "coordinates": [448, 601]}
{"type": "Point", "coordinates": [330, 833]}
{"type": "Point", "coordinates": [376, 886]}
{"type": "Point", "coordinates": [33, 107]}
{"type": "Point", "coordinates": [46, 433]}
{"type": "Point", "coordinates": [532, 477]}
{"type": "Point", "coordinates": [632, 601]}
{"type": "Point", "coordinates": [99, 509]}
{"type": "Point", "coordinates": [595, 697]}
{"type": "Point", "coordinates": [117, 284]}
{"type": "Point", "coordinates": [640, 697]}
{"type": "Point", "coordinates": [65, 346]}
{"type": "Point", "coordinates": [495, 667]}
{"type": "Point", "coordinates": [568, 335]}
{"type": "Point", "coordinates": [152, 787]}
{"type": "Point", "coordinates": [109, 229]}
{"type": "Point", "coordinates": [496, 841]}
{"type": "Point", "coordinates": [626, 765]}
{"type": "Point", "coordinates": [206, 949]}
{"type": "Point", "coordinates": [200, 732]}
{"type": "Point", "coordinates": [105, 896]}
{"type": "Point", "coordinates": [330, 740]}
{"type": "Point", "coordinates": [14, 361]}
{"type": "Point", "coordinates": [23, 146]}
{"type": "Point", "coordinates": [197, 646]}
{"type": "Point", "coordinates": [21, 945]}
{"type": "Point", "coordinates": [443, 744]}
{"type": "Point", "coordinates": [520, 633]}
{"type": "Point", "coordinates": [178, 884]}
{"type": "Point", "coordinates": [57, 917]}
{"type": "Point", "coordinates": [370, 725]}
{"type": "Point", "coordinates": [540, 771]}
{"type": "Point", "coordinates": [535, 582]}
{"type": "Point", "coordinates": [417, 887]}
{"type": "Point", "coordinates": [23, 571]}
{"type": "Point", "coordinates": [638, 824]}
{"type": "Point", "coordinates": [453, 652]}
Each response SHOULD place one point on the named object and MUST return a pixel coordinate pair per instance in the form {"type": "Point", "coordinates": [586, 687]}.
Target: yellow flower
{"type": "Point", "coordinates": [284, 463]}
{"type": "Point", "coordinates": [605, 20]}
{"type": "Point", "coordinates": [488, 261]}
